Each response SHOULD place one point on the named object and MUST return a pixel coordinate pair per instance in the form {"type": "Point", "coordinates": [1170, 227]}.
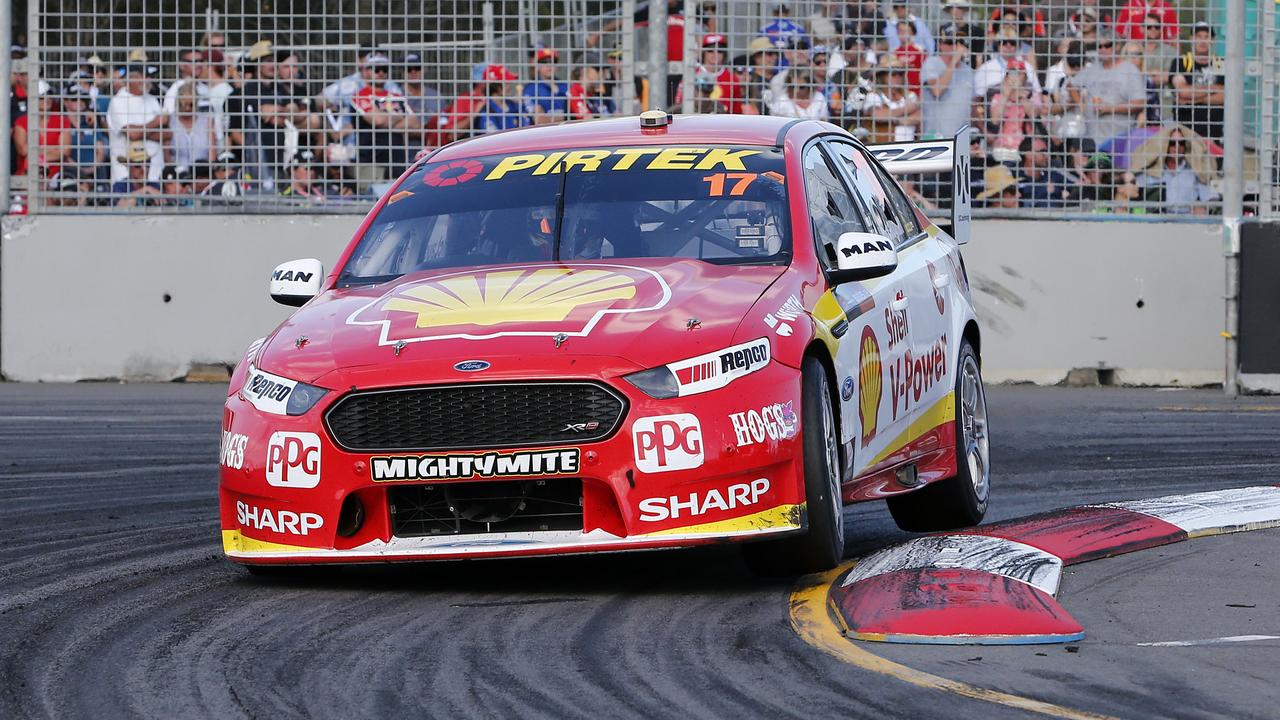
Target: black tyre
{"type": "Point", "coordinates": [959, 501]}
{"type": "Point", "coordinates": [822, 547]}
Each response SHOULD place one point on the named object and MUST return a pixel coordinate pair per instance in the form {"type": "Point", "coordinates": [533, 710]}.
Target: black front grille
{"type": "Point", "coordinates": [473, 508]}
{"type": "Point", "coordinates": [480, 415]}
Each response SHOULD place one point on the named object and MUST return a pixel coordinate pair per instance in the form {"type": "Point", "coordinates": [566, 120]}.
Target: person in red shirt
{"type": "Point", "coordinates": [713, 57]}
{"type": "Point", "coordinates": [1134, 13]}
{"type": "Point", "coordinates": [456, 120]}
{"type": "Point", "coordinates": [588, 97]}
{"type": "Point", "coordinates": [910, 54]}
{"type": "Point", "coordinates": [54, 142]}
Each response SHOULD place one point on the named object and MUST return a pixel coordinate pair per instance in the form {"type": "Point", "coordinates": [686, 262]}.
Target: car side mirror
{"type": "Point", "coordinates": [862, 256]}
{"type": "Point", "coordinates": [297, 281]}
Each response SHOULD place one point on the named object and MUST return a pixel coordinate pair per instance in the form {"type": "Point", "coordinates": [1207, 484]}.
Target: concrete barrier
{"type": "Point", "coordinates": [1140, 302]}
{"type": "Point", "coordinates": [145, 298]}
{"type": "Point", "coordinates": [149, 298]}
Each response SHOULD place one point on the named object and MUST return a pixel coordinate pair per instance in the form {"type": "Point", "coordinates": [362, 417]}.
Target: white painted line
{"type": "Point", "coordinates": [1220, 510]}
{"type": "Point", "coordinates": [970, 552]}
{"type": "Point", "coordinates": [1211, 641]}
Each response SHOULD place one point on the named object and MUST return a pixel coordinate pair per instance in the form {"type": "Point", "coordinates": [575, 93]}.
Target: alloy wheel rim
{"type": "Point", "coordinates": [973, 428]}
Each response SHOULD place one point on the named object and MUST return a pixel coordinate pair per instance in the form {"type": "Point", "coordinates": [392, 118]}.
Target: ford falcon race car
{"type": "Point", "coordinates": [620, 334]}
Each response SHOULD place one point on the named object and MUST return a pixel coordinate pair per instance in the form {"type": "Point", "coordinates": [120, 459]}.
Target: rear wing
{"type": "Point", "coordinates": [936, 156]}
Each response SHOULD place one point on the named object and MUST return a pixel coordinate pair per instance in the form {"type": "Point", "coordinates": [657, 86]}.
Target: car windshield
{"type": "Point", "coordinates": [724, 205]}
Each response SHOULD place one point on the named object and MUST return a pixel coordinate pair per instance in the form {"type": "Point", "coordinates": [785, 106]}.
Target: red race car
{"type": "Point", "coordinates": [613, 335]}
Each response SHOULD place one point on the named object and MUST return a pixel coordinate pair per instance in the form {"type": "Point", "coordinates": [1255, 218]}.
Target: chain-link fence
{"type": "Point", "coordinates": [1080, 107]}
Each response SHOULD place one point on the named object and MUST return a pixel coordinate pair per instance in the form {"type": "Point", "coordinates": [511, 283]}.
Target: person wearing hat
{"type": "Point", "coordinates": [1082, 26]}
{"type": "Point", "coordinates": [302, 176]}
{"type": "Point", "coordinates": [372, 65]}
{"type": "Point", "coordinates": [135, 115]}
{"type": "Point", "coordinates": [1111, 92]}
{"type": "Point", "coordinates": [1000, 188]}
{"type": "Point", "coordinates": [545, 97]}
{"type": "Point", "coordinates": [1198, 85]}
{"type": "Point", "coordinates": [1130, 21]}
{"type": "Point", "coordinates": [727, 90]}
{"type": "Point", "coordinates": [762, 59]}
{"type": "Point", "coordinates": [423, 100]}
{"type": "Point", "coordinates": [902, 13]}
{"type": "Point", "coordinates": [947, 85]}
{"type": "Point", "coordinates": [500, 111]}
{"type": "Point", "coordinates": [134, 189]}
{"type": "Point", "coordinates": [892, 108]}
{"type": "Point", "coordinates": [87, 143]}
{"type": "Point", "coordinates": [383, 126]}
{"type": "Point", "coordinates": [223, 180]}
{"type": "Point", "coordinates": [177, 186]}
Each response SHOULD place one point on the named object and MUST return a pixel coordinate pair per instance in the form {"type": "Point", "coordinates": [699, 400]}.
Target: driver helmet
{"type": "Point", "coordinates": [589, 233]}
{"type": "Point", "coordinates": [542, 228]}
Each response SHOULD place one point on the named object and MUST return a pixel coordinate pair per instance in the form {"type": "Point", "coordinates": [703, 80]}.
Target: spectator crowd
{"type": "Point", "coordinates": [1098, 110]}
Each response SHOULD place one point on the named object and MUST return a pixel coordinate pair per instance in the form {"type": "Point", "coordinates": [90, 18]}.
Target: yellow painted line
{"type": "Point", "coordinates": [814, 620]}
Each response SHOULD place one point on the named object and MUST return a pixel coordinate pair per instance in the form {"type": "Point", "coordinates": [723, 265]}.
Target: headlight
{"type": "Point", "coordinates": [703, 373]}
{"type": "Point", "coordinates": [279, 395]}
{"type": "Point", "coordinates": [657, 382]}
{"type": "Point", "coordinates": [303, 398]}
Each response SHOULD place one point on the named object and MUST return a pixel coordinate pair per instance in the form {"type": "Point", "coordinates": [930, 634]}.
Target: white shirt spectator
{"type": "Point", "coordinates": [991, 73]}
{"type": "Point", "coordinates": [128, 109]}
{"type": "Point", "coordinates": [784, 106]}
{"type": "Point", "coordinates": [171, 95]}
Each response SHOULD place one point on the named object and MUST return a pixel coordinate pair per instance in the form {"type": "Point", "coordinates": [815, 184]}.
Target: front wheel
{"type": "Point", "coordinates": [959, 501]}
{"type": "Point", "coordinates": [822, 547]}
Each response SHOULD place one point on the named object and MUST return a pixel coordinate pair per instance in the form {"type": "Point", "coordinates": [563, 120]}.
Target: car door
{"type": "Point", "coordinates": [909, 363]}
{"type": "Point", "coordinates": [934, 339]}
{"type": "Point", "coordinates": [867, 423]}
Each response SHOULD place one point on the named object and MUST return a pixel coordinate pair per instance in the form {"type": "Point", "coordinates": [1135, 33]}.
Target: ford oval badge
{"type": "Point", "coordinates": [471, 366]}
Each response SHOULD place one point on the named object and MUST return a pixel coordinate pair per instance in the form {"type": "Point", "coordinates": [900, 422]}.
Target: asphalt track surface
{"type": "Point", "coordinates": [115, 600]}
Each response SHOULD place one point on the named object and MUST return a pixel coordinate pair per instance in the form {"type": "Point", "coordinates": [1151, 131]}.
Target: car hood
{"type": "Point", "coordinates": [560, 319]}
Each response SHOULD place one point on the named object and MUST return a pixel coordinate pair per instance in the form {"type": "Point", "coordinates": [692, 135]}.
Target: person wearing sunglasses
{"type": "Point", "coordinates": [1110, 92]}
{"type": "Point", "coordinates": [1158, 54]}
{"type": "Point", "coordinates": [990, 74]}
{"type": "Point", "coordinates": [1132, 18]}
{"type": "Point", "coordinates": [1176, 163]}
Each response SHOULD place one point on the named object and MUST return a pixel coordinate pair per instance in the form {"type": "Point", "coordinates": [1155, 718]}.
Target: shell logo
{"type": "Point", "coordinates": [870, 384]}
{"type": "Point", "coordinates": [522, 300]}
